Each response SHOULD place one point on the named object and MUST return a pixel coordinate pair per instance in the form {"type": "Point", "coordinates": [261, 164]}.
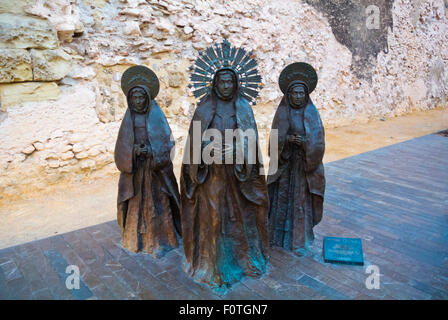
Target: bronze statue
{"type": "Point", "coordinates": [148, 196]}
{"type": "Point", "coordinates": [224, 204]}
{"type": "Point", "coordinates": [296, 188]}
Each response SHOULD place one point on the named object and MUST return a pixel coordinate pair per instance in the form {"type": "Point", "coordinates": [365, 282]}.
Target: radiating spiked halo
{"type": "Point", "coordinates": [224, 56]}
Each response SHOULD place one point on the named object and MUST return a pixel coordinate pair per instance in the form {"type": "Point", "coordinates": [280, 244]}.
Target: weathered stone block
{"type": "Point", "coordinates": [175, 78]}
{"type": "Point", "coordinates": [15, 93]}
{"type": "Point", "coordinates": [83, 73]}
{"type": "Point", "coordinates": [50, 65]}
{"type": "Point", "coordinates": [22, 32]}
{"type": "Point", "coordinates": [131, 28]}
{"type": "Point", "coordinates": [15, 65]}
{"type": "Point", "coordinates": [15, 6]}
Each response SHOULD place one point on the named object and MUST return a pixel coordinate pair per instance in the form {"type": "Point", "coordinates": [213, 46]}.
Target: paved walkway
{"type": "Point", "coordinates": [395, 199]}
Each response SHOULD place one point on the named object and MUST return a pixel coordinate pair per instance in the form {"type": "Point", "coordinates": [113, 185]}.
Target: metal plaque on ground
{"type": "Point", "coordinates": [343, 250]}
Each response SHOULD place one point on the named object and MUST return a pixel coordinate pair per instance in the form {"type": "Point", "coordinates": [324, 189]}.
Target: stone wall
{"type": "Point", "coordinates": [61, 62]}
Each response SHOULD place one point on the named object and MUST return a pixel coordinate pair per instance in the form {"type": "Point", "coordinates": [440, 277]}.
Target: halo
{"type": "Point", "coordinates": [298, 71]}
{"type": "Point", "coordinates": [140, 75]}
{"type": "Point", "coordinates": [224, 56]}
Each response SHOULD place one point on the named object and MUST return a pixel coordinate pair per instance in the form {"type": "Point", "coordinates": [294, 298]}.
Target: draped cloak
{"type": "Point", "coordinates": [311, 167]}
{"type": "Point", "coordinates": [224, 207]}
{"type": "Point", "coordinates": [160, 202]}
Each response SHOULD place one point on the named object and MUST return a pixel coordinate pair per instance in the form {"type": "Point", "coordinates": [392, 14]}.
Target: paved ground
{"type": "Point", "coordinates": [395, 199]}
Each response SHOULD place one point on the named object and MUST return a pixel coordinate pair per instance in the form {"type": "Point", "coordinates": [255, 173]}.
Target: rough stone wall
{"type": "Point", "coordinates": [61, 62]}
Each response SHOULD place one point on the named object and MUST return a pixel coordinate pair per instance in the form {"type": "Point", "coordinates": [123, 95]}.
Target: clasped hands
{"type": "Point", "coordinates": [142, 149]}
{"type": "Point", "coordinates": [298, 140]}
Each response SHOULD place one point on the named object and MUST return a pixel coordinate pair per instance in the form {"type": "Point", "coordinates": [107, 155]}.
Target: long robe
{"type": "Point", "coordinates": [148, 197]}
{"type": "Point", "coordinates": [296, 189]}
{"type": "Point", "coordinates": [224, 207]}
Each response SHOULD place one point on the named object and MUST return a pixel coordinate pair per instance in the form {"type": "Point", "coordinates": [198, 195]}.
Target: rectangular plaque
{"type": "Point", "coordinates": [343, 250]}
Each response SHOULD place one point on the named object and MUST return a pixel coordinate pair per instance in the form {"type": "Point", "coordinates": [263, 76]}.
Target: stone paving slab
{"type": "Point", "coordinates": [395, 199]}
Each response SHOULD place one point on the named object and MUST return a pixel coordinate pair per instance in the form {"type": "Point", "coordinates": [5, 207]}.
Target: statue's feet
{"type": "Point", "coordinates": [300, 252]}
{"type": "Point", "coordinates": [255, 269]}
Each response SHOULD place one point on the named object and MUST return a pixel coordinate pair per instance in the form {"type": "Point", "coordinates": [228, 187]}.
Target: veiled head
{"type": "Point", "coordinates": [138, 98]}
{"type": "Point", "coordinates": [225, 84]}
{"type": "Point", "coordinates": [298, 95]}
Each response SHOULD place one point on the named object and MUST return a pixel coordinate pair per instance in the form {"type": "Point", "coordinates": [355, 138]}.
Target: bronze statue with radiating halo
{"type": "Point", "coordinates": [224, 203]}
{"type": "Point", "coordinates": [296, 188]}
{"type": "Point", "coordinates": [148, 196]}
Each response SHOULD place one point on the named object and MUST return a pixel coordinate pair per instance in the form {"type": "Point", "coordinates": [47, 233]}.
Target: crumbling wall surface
{"type": "Point", "coordinates": [61, 62]}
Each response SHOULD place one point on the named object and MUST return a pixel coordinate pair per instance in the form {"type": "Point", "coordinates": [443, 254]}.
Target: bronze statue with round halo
{"type": "Point", "coordinates": [296, 188]}
{"type": "Point", "coordinates": [148, 196]}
